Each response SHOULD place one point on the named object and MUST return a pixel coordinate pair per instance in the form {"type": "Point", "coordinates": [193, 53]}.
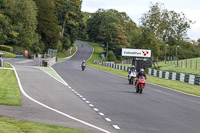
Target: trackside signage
{"type": "Point", "coordinates": [136, 52]}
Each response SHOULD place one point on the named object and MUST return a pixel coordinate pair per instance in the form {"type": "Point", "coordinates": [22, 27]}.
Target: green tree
{"type": "Point", "coordinates": [70, 19]}
{"type": "Point", "coordinates": [18, 23]}
{"type": "Point", "coordinates": [47, 24]}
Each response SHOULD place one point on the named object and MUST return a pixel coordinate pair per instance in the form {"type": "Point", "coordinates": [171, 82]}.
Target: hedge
{"type": "Point", "coordinates": [6, 48]}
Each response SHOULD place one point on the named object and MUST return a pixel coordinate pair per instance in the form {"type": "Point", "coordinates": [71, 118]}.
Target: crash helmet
{"type": "Point", "coordinates": [133, 67]}
{"type": "Point", "coordinates": [83, 60]}
{"type": "Point", "coordinates": [141, 70]}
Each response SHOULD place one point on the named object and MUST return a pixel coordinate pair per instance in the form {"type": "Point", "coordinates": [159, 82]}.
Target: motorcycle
{"type": "Point", "coordinates": [140, 84]}
{"type": "Point", "coordinates": [131, 77]}
{"type": "Point", "coordinates": [83, 68]}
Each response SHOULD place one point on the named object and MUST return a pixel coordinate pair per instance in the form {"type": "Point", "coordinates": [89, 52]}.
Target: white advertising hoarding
{"type": "Point", "coordinates": [136, 52]}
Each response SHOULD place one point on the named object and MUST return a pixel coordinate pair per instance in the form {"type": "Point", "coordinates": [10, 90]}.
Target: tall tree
{"type": "Point", "coordinates": [70, 19]}
{"type": "Point", "coordinates": [18, 23]}
{"type": "Point", "coordinates": [47, 24]}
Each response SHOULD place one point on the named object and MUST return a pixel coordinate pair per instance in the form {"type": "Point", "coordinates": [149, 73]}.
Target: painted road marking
{"type": "Point", "coordinates": [52, 109]}
{"type": "Point", "coordinates": [107, 119]}
{"type": "Point", "coordinates": [95, 109]}
{"type": "Point", "coordinates": [116, 127]}
{"type": "Point", "coordinates": [101, 114]}
{"type": "Point", "coordinates": [87, 101]}
{"type": "Point", "coordinates": [91, 105]}
{"type": "Point", "coordinates": [84, 99]}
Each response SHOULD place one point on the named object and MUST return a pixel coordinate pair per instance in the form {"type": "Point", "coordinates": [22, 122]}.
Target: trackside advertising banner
{"type": "Point", "coordinates": [136, 52]}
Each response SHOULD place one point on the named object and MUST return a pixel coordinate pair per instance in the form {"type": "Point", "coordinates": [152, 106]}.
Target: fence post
{"type": "Point", "coordinates": [190, 64]}
{"type": "Point", "coordinates": [196, 64]}
{"type": "Point", "coordinates": [186, 63]}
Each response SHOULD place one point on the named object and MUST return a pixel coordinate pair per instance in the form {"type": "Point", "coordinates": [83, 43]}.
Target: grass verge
{"type": "Point", "coordinates": [176, 85]}
{"type": "Point", "coordinates": [8, 125]}
{"type": "Point", "coordinates": [192, 67]}
{"type": "Point", "coordinates": [8, 55]}
{"type": "Point", "coordinates": [9, 91]}
{"type": "Point", "coordinates": [62, 55]}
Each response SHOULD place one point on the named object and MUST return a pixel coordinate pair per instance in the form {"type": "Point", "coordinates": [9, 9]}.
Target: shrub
{"type": "Point", "coordinates": [8, 55]}
{"type": "Point", "coordinates": [6, 48]}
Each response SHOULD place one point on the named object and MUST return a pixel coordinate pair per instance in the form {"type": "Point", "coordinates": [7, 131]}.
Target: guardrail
{"type": "Point", "coordinates": [187, 78]}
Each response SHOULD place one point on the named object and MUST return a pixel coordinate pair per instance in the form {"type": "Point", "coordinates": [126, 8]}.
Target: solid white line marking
{"type": "Point", "coordinates": [101, 114]}
{"type": "Point", "coordinates": [107, 119]}
{"type": "Point", "coordinates": [84, 99]}
{"type": "Point", "coordinates": [87, 101]}
{"type": "Point", "coordinates": [91, 105]}
{"type": "Point", "coordinates": [95, 109]}
{"type": "Point", "coordinates": [116, 127]}
{"type": "Point", "coordinates": [57, 111]}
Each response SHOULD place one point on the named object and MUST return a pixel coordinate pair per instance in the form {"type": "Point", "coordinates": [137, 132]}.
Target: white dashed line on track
{"type": "Point", "coordinates": [101, 114]}
{"type": "Point", "coordinates": [84, 99]}
{"type": "Point", "coordinates": [108, 119]}
{"type": "Point", "coordinates": [87, 101]}
{"type": "Point", "coordinates": [95, 109]}
{"type": "Point", "coordinates": [91, 105]}
{"type": "Point", "coordinates": [116, 127]}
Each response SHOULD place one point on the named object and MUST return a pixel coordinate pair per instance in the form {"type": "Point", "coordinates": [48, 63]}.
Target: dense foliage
{"type": "Point", "coordinates": [159, 30]}
{"type": "Point", "coordinates": [37, 25]}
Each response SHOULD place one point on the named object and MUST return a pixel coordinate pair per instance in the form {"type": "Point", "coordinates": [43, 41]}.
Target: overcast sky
{"type": "Point", "coordinates": [136, 8]}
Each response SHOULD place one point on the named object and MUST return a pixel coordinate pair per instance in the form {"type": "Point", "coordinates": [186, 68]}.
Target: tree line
{"type": "Point", "coordinates": [160, 30]}
{"type": "Point", "coordinates": [37, 25]}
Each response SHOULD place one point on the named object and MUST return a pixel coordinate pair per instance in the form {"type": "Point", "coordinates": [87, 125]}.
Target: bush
{"type": "Point", "coordinates": [111, 56]}
{"type": "Point", "coordinates": [6, 48]}
{"type": "Point", "coordinates": [8, 55]}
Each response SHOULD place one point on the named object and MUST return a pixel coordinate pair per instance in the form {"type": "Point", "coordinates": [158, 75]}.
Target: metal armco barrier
{"type": "Point", "coordinates": [191, 79]}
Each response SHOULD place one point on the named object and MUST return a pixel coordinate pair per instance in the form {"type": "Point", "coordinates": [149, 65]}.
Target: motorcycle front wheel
{"type": "Point", "coordinates": [141, 89]}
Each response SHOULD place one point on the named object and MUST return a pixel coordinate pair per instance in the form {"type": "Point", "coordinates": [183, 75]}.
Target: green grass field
{"type": "Point", "coordinates": [9, 91]}
{"type": "Point", "coordinates": [8, 125]}
{"type": "Point", "coordinates": [61, 55]}
{"type": "Point", "coordinates": [192, 67]}
{"type": "Point", "coordinates": [176, 85]}
{"type": "Point", "coordinates": [97, 52]}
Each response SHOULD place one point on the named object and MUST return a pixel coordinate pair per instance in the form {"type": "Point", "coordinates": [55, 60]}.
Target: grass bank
{"type": "Point", "coordinates": [189, 66]}
{"type": "Point", "coordinates": [176, 85]}
{"type": "Point", "coordinates": [8, 55]}
{"type": "Point", "coordinates": [8, 125]}
{"type": "Point", "coordinates": [9, 91]}
{"type": "Point", "coordinates": [62, 55]}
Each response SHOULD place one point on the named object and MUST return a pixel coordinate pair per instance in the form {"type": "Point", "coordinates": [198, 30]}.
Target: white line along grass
{"type": "Point", "coordinates": [52, 109]}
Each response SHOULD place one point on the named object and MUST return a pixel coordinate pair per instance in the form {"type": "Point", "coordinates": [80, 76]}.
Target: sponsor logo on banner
{"type": "Point", "coordinates": [136, 52]}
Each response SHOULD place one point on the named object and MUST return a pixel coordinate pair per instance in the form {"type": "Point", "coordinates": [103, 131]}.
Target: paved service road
{"type": "Point", "coordinates": [157, 110]}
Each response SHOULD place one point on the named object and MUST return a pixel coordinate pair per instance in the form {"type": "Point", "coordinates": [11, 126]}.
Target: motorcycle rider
{"type": "Point", "coordinates": [83, 65]}
{"type": "Point", "coordinates": [132, 69]}
{"type": "Point", "coordinates": [140, 73]}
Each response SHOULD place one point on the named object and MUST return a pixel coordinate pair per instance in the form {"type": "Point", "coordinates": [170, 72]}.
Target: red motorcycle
{"type": "Point", "coordinates": [140, 84]}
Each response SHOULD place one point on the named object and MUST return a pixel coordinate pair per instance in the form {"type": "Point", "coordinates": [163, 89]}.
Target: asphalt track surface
{"type": "Point", "coordinates": [157, 110]}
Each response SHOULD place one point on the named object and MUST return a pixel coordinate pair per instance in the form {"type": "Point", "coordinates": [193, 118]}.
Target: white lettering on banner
{"type": "Point", "coordinates": [136, 52]}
